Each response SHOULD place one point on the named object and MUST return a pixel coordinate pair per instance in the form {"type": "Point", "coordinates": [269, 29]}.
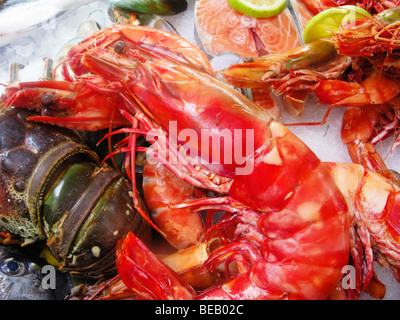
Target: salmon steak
{"type": "Point", "coordinates": [223, 29]}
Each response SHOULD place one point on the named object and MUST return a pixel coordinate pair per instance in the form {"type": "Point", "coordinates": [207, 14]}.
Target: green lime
{"type": "Point", "coordinates": [258, 8]}
{"type": "Point", "coordinates": [329, 20]}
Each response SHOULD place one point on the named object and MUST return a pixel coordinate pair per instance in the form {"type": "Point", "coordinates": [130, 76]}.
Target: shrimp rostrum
{"type": "Point", "coordinates": [357, 67]}
{"type": "Point", "coordinates": [285, 231]}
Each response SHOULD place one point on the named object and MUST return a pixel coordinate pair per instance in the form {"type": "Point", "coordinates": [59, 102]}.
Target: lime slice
{"type": "Point", "coordinates": [258, 8]}
{"type": "Point", "coordinates": [322, 25]}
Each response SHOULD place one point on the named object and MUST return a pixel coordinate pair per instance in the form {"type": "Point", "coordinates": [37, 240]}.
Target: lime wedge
{"type": "Point", "coordinates": [324, 23]}
{"type": "Point", "coordinates": [258, 8]}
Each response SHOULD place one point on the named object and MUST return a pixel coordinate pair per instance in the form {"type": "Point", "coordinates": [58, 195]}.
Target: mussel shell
{"type": "Point", "coordinates": [156, 22]}
{"type": "Point", "coordinates": [162, 7]}
{"type": "Point", "coordinates": [120, 15]}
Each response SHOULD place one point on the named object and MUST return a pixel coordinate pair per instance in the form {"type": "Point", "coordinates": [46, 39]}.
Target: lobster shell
{"type": "Point", "coordinates": [52, 188]}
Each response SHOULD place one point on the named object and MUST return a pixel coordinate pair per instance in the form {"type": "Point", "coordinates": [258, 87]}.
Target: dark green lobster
{"type": "Point", "coordinates": [52, 188]}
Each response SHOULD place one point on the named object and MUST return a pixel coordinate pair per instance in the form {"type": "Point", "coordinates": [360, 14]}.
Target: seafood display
{"type": "Point", "coordinates": [203, 193]}
{"type": "Point", "coordinates": [159, 100]}
{"type": "Point", "coordinates": [356, 68]}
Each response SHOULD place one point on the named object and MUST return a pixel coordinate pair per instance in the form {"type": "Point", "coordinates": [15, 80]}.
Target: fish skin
{"type": "Point", "coordinates": [26, 282]}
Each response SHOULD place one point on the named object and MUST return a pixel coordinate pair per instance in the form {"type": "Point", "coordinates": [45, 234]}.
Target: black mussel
{"type": "Point", "coordinates": [120, 15]}
{"type": "Point", "coordinates": [162, 7]}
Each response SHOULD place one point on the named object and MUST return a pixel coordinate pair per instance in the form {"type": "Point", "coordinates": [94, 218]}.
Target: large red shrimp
{"type": "Point", "coordinates": [373, 202]}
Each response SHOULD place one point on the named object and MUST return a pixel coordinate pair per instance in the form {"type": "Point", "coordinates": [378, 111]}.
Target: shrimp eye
{"type": "Point", "coordinates": [13, 268]}
{"type": "Point", "coordinates": [48, 99]}
{"type": "Point", "coordinates": [119, 46]}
